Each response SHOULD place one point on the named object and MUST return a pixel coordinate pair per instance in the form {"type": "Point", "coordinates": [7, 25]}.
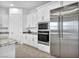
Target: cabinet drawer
{"type": "Point", "coordinates": [44, 48]}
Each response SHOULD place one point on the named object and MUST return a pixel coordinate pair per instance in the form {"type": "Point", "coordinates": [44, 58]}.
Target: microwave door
{"type": "Point", "coordinates": [43, 26]}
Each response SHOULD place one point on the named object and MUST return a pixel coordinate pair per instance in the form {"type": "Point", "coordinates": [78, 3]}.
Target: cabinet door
{"type": "Point", "coordinates": [4, 20]}
{"type": "Point", "coordinates": [34, 19]}
{"type": "Point", "coordinates": [24, 25]}
{"type": "Point", "coordinates": [26, 39]}
{"type": "Point", "coordinates": [29, 39]}
{"type": "Point", "coordinates": [43, 14]}
{"type": "Point", "coordinates": [12, 27]}
{"type": "Point", "coordinates": [35, 40]}
{"type": "Point", "coordinates": [46, 15]}
{"type": "Point", "coordinates": [29, 20]}
{"type": "Point", "coordinates": [44, 48]}
{"type": "Point", "coordinates": [40, 14]}
{"type": "Point", "coordinates": [54, 5]}
{"type": "Point", "coordinates": [0, 20]}
{"type": "Point", "coordinates": [15, 26]}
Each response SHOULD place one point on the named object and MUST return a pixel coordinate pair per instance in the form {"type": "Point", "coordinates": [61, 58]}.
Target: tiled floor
{"type": "Point", "coordinates": [25, 51]}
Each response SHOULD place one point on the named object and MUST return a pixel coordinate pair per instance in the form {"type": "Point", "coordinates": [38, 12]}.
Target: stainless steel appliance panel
{"type": "Point", "coordinates": [64, 31]}
{"type": "Point", "coordinates": [69, 41]}
{"type": "Point", "coordinates": [54, 35]}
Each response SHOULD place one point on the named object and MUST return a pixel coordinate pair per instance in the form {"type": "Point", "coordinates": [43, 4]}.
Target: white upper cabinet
{"type": "Point", "coordinates": [15, 24]}
{"type": "Point", "coordinates": [28, 21]}
{"type": "Point", "coordinates": [4, 17]}
{"type": "Point", "coordinates": [5, 20]}
{"type": "Point", "coordinates": [53, 5]}
{"type": "Point", "coordinates": [43, 14]}
{"type": "Point", "coordinates": [40, 14]}
{"type": "Point", "coordinates": [44, 11]}
{"type": "Point", "coordinates": [24, 25]}
{"type": "Point", "coordinates": [32, 19]}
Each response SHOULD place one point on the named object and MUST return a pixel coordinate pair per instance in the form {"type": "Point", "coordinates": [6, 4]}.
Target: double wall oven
{"type": "Point", "coordinates": [43, 33]}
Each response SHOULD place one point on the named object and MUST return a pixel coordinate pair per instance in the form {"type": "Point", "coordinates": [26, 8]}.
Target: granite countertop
{"type": "Point", "coordinates": [4, 32]}
{"type": "Point", "coordinates": [35, 33]}
{"type": "Point", "coordinates": [30, 32]}
{"type": "Point", "coordinates": [5, 42]}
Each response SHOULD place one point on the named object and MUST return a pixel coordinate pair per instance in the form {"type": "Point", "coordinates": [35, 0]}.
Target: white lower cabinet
{"type": "Point", "coordinates": [31, 40]}
{"type": "Point", "coordinates": [24, 38]}
{"type": "Point", "coordinates": [44, 48]}
{"type": "Point", "coordinates": [35, 40]}
{"type": "Point", "coordinates": [28, 39]}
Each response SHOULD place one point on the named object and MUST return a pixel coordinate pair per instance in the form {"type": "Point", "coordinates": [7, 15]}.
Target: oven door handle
{"type": "Point", "coordinates": [44, 33]}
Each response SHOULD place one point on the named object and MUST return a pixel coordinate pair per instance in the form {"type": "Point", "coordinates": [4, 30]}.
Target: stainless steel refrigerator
{"type": "Point", "coordinates": [64, 31]}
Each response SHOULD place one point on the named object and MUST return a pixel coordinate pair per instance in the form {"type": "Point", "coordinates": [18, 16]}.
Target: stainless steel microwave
{"type": "Point", "coordinates": [43, 25]}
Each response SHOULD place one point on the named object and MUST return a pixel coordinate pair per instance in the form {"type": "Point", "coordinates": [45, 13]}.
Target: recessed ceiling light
{"type": "Point", "coordinates": [11, 4]}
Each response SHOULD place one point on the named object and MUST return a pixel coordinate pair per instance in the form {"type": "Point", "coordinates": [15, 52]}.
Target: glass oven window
{"type": "Point", "coordinates": [43, 26]}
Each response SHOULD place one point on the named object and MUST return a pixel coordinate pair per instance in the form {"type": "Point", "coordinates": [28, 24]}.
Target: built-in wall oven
{"type": "Point", "coordinates": [43, 33]}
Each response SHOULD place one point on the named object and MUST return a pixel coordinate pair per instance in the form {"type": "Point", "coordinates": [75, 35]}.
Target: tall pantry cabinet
{"type": "Point", "coordinates": [15, 24]}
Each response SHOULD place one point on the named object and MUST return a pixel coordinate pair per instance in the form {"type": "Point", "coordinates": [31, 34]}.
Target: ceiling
{"type": "Point", "coordinates": [23, 4]}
